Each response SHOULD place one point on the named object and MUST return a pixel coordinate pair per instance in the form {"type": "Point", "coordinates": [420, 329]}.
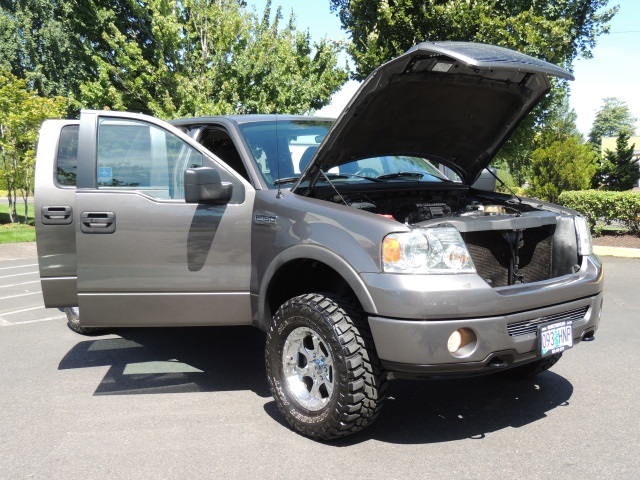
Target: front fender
{"type": "Point", "coordinates": [320, 254]}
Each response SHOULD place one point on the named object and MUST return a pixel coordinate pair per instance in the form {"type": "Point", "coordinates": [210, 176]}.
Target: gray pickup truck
{"type": "Point", "coordinates": [342, 240]}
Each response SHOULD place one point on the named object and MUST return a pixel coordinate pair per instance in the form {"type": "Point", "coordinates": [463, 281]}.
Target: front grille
{"type": "Point", "coordinates": [531, 326]}
{"type": "Point", "coordinates": [536, 254]}
{"type": "Point", "coordinates": [491, 254]}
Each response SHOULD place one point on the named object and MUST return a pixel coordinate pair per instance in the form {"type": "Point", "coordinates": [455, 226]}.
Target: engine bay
{"type": "Point", "coordinates": [417, 206]}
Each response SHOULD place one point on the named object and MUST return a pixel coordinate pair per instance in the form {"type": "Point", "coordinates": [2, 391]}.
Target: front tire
{"type": "Point", "coordinates": [322, 367]}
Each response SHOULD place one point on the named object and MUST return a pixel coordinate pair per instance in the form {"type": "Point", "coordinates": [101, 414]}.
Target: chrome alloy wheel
{"type": "Point", "coordinates": [307, 365]}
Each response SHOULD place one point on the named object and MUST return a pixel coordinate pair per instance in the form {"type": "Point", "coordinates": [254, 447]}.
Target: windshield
{"type": "Point", "coordinates": [393, 167]}
{"type": "Point", "coordinates": [282, 149]}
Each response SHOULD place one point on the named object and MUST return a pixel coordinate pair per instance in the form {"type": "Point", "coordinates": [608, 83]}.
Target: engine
{"type": "Point", "coordinates": [416, 209]}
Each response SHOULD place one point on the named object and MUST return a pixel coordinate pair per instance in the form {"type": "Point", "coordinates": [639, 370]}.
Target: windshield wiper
{"type": "Point", "coordinates": [280, 181]}
{"type": "Point", "coordinates": [413, 174]}
{"type": "Point", "coordinates": [351, 175]}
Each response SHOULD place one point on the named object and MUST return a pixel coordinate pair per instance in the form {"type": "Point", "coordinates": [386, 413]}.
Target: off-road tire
{"type": "Point", "coordinates": [533, 368]}
{"type": "Point", "coordinates": [73, 322]}
{"type": "Point", "coordinates": [358, 382]}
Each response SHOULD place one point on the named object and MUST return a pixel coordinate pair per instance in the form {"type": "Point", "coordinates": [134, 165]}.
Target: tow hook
{"type": "Point", "coordinates": [498, 362]}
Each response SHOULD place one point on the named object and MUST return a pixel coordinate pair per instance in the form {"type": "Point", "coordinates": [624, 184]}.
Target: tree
{"type": "Point", "coordinates": [567, 164]}
{"type": "Point", "coordinates": [619, 170]}
{"type": "Point", "coordinates": [21, 113]}
{"type": "Point", "coordinates": [556, 31]}
{"type": "Point", "coordinates": [167, 58]}
{"type": "Point", "coordinates": [613, 119]}
{"type": "Point", "coordinates": [38, 46]}
{"type": "Point", "coordinates": [240, 63]}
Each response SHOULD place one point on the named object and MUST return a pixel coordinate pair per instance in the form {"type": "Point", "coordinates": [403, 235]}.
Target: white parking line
{"type": "Point", "coordinates": [19, 274]}
{"type": "Point", "coordinates": [20, 266]}
{"type": "Point", "coordinates": [22, 310]}
{"type": "Point", "coordinates": [20, 295]}
{"type": "Point", "coordinates": [18, 284]}
{"type": "Point", "coordinates": [6, 323]}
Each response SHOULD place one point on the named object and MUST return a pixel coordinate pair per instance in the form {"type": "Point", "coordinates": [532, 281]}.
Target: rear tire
{"type": "Point", "coordinates": [533, 368]}
{"type": "Point", "coordinates": [322, 367]}
{"type": "Point", "coordinates": [73, 322]}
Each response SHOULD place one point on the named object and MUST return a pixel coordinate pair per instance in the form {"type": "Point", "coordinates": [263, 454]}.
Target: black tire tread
{"type": "Point", "coordinates": [366, 380]}
{"type": "Point", "coordinates": [74, 325]}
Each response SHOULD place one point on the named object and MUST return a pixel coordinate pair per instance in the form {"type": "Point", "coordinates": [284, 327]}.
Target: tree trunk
{"type": "Point", "coordinates": [13, 214]}
{"type": "Point", "coordinates": [13, 194]}
{"type": "Point", "coordinates": [25, 197]}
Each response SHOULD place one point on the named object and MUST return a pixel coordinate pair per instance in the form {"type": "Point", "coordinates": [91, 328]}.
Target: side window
{"type": "Point", "coordinates": [67, 156]}
{"type": "Point", "coordinates": [218, 142]}
{"type": "Point", "coordinates": [134, 155]}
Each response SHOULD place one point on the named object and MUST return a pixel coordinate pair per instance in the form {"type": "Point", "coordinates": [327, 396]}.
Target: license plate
{"type": "Point", "coordinates": [555, 338]}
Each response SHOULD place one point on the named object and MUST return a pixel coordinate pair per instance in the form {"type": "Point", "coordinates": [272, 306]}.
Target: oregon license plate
{"type": "Point", "coordinates": [555, 338]}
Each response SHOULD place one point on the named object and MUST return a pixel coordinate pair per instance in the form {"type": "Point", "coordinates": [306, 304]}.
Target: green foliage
{"type": "Point", "coordinates": [261, 67]}
{"type": "Point", "coordinates": [21, 209]}
{"type": "Point", "coordinates": [507, 181]}
{"type": "Point", "coordinates": [556, 122]}
{"type": "Point", "coordinates": [37, 45]}
{"type": "Point", "coordinates": [613, 119]}
{"type": "Point", "coordinates": [21, 113]}
{"type": "Point", "coordinates": [603, 208]}
{"type": "Point", "coordinates": [563, 165]}
{"type": "Point", "coordinates": [557, 31]}
{"type": "Point", "coordinates": [559, 123]}
{"type": "Point", "coordinates": [17, 233]}
{"type": "Point", "coordinates": [167, 58]}
{"type": "Point", "coordinates": [619, 170]}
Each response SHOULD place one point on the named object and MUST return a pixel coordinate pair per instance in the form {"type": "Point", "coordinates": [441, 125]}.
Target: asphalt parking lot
{"type": "Point", "coordinates": [194, 403]}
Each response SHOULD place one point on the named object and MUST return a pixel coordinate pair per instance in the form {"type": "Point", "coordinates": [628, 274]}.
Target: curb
{"type": "Point", "coordinates": [18, 251]}
{"type": "Point", "coordinates": [616, 252]}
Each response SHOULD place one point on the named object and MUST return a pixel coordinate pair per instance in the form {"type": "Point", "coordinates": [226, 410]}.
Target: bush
{"type": "Point", "coordinates": [602, 208]}
{"type": "Point", "coordinates": [566, 164]}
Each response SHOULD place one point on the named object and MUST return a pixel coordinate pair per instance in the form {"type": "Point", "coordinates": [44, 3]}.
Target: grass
{"type": "Point", "coordinates": [13, 232]}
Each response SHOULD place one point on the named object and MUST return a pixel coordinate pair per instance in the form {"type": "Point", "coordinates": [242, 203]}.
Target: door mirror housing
{"type": "Point", "coordinates": [203, 185]}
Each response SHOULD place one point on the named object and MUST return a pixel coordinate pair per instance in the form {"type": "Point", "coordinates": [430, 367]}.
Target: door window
{"type": "Point", "coordinates": [67, 156]}
{"type": "Point", "coordinates": [135, 155]}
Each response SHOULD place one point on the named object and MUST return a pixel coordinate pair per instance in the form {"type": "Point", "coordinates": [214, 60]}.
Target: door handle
{"type": "Point", "coordinates": [98, 222]}
{"type": "Point", "coordinates": [56, 215]}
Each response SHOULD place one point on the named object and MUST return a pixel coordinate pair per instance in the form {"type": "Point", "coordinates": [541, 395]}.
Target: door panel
{"type": "Point", "coordinates": [145, 257]}
{"type": "Point", "coordinates": [54, 208]}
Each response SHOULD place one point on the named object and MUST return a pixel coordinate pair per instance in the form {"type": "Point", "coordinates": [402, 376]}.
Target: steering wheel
{"type": "Point", "coordinates": [367, 173]}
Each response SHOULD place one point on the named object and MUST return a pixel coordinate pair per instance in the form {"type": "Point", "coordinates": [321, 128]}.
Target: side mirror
{"type": "Point", "coordinates": [203, 185]}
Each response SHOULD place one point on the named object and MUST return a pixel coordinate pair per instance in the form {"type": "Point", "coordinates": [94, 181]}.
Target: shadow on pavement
{"type": "Point", "coordinates": [175, 360]}
{"type": "Point", "coordinates": [179, 360]}
{"type": "Point", "coordinates": [433, 411]}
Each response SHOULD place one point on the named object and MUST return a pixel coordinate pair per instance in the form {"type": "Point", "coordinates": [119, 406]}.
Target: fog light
{"type": "Point", "coordinates": [462, 342]}
{"type": "Point", "coordinates": [455, 341]}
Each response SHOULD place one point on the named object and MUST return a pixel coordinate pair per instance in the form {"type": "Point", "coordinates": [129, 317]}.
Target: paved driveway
{"type": "Point", "coordinates": [194, 403]}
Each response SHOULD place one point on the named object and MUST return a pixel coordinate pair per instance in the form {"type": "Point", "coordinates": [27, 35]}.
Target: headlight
{"type": "Point", "coordinates": [584, 236]}
{"type": "Point", "coordinates": [426, 250]}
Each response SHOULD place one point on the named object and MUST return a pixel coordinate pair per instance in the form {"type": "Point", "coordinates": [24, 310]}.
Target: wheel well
{"type": "Point", "coordinates": [304, 276]}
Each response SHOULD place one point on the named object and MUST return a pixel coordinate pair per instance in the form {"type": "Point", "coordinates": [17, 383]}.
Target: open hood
{"type": "Point", "coordinates": [453, 102]}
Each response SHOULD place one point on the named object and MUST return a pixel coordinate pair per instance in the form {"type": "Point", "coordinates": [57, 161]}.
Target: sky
{"type": "Point", "coordinates": [614, 70]}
